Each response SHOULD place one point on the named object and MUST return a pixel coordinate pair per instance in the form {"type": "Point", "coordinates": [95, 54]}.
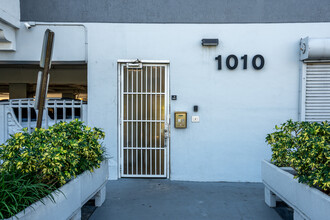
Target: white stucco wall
{"type": "Point", "coordinates": [9, 22]}
{"type": "Point", "coordinates": [237, 108]}
{"type": "Point", "coordinates": [10, 12]}
{"type": "Point", "coordinates": [69, 45]}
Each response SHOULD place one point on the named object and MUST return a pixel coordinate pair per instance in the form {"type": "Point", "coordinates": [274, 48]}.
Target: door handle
{"type": "Point", "coordinates": [165, 133]}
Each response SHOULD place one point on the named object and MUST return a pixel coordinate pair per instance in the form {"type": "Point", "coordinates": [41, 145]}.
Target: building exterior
{"type": "Point", "coordinates": [142, 62]}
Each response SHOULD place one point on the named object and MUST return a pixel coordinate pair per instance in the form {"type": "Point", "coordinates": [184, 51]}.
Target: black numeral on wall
{"type": "Point", "coordinates": [258, 62]}
{"type": "Point", "coordinates": [218, 58]}
{"type": "Point", "coordinates": [254, 62]}
{"type": "Point", "coordinates": [244, 58]}
{"type": "Point", "coordinates": [235, 62]}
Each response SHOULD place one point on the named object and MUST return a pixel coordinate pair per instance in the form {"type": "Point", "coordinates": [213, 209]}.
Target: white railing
{"type": "Point", "coordinates": [16, 114]}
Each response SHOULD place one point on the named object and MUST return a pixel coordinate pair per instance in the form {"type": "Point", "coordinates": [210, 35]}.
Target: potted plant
{"type": "Point", "coordinates": [64, 166]}
{"type": "Point", "coordinates": [298, 172]}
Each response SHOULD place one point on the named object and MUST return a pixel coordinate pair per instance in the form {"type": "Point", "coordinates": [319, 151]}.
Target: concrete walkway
{"type": "Point", "coordinates": [164, 199]}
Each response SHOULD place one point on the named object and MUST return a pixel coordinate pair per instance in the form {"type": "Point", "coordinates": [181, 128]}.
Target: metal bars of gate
{"type": "Point", "coordinates": [143, 116]}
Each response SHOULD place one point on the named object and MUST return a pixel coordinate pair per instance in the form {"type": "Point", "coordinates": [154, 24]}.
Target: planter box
{"type": "Point", "coordinates": [76, 193]}
{"type": "Point", "coordinates": [307, 202]}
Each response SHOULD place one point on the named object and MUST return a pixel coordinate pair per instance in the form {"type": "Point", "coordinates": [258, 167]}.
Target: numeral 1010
{"type": "Point", "coordinates": [258, 62]}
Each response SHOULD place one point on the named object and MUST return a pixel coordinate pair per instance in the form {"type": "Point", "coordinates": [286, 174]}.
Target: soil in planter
{"type": "Point", "coordinates": [88, 209]}
{"type": "Point", "coordinates": [285, 211]}
{"type": "Point", "coordinates": [289, 170]}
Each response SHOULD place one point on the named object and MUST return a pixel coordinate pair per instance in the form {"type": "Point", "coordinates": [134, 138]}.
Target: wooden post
{"type": "Point", "coordinates": [44, 78]}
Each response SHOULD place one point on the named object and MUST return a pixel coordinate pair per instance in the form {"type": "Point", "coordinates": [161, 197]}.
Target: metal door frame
{"type": "Point", "coordinates": [120, 67]}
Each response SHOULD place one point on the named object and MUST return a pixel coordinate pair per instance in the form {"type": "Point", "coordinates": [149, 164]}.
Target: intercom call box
{"type": "Point", "coordinates": [180, 119]}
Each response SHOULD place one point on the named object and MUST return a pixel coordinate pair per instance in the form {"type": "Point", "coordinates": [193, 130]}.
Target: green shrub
{"type": "Point", "coordinates": [19, 191]}
{"type": "Point", "coordinates": [305, 146]}
{"type": "Point", "coordinates": [34, 165]}
{"type": "Point", "coordinates": [54, 155]}
{"type": "Point", "coordinates": [82, 141]}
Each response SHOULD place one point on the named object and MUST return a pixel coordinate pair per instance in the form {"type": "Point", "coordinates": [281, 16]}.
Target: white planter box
{"type": "Point", "coordinates": [307, 202]}
{"type": "Point", "coordinates": [76, 193]}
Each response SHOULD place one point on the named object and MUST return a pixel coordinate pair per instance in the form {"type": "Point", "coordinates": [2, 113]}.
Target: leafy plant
{"type": "Point", "coordinates": [83, 141]}
{"type": "Point", "coordinates": [19, 191]}
{"type": "Point", "coordinates": [33, 165]}
{"type": "Point", "coordinates": [305, 146]}
{"type": "Point", "coordinates": [54, 155]}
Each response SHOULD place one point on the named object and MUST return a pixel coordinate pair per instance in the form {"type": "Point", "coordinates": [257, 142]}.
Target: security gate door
{"type": "Point", "coordinates": [144, 119]}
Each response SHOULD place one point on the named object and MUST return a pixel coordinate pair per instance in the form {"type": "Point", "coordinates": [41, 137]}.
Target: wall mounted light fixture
{"type": "Point", "coordinates": [210, 42]}
{"type": "Point", "coordinates": [29, 25]}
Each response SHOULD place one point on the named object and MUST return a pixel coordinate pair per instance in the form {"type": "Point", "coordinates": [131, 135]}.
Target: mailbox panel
{"type": "Point", "coordinates": [180, 119]}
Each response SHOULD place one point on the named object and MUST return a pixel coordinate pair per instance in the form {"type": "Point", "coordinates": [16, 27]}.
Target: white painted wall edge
{"type": "Point", "coordinates": [10, 12]}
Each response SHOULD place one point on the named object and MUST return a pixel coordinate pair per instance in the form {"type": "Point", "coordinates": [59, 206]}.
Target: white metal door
{"type": "Point", "coordinates": [144, 119]}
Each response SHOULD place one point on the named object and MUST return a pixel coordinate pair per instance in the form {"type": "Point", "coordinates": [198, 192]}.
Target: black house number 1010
{"type": "Point", "coordinates": [258, 62]}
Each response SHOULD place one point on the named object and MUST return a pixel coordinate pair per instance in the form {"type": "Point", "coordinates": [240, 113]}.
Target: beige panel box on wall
{"type": "Point", "coordinates": [180, 119]}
